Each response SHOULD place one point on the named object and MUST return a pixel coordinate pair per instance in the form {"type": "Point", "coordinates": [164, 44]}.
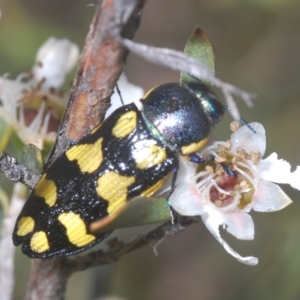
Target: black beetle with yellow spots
{"type": "Point", "coordinates": [130, 154]}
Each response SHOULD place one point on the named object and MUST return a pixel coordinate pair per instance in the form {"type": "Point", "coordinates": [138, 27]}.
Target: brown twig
{"type": "Point", "coordinates": [99, 69]}
{"type": "Point", "coordinates": [48, 279]}
{"type": "Point", "coordinates": [97, 258]}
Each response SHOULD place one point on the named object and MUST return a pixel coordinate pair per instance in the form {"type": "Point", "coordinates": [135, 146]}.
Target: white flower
{"type": "Point", "coordinates": [224, 193]}
{"type": "Point", "coordinates": [54, 59]}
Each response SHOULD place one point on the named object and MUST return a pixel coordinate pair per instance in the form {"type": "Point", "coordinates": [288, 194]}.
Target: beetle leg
{"type": "Point", "coordinates": [228, 170]}
{"type": "Point", "coordinates": [195, 158]}
{"type": "Point", "coordinates": [199, 160]}
{"type": "Point", "coordinates": [174, 214]}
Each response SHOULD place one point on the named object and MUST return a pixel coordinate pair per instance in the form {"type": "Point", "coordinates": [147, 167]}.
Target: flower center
{"type": "Point", "coordinates": [231, 183]}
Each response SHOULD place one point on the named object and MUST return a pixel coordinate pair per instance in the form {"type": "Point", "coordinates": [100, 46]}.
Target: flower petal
{"type": "Point", "coordinates": [295, 180]}
{"type": "Point", "coordinates": [239, 224]}
{"type": "Point", "coordinates": [269, 197]}
{"type": "Point", "coordinates": [55, 58]}
{"type": "Point", "coordinates": [186, 200]}
{"type": "Point", "coordinates": [213, 227]}
{"type": "Point", "coordinates": [274, 169]}
{"type": "Point", "coordinates": [246, 139]}
{"type": "Point", "coordinates": [11, 91]}
{"type": "Point", "coordinates": [279, 171]}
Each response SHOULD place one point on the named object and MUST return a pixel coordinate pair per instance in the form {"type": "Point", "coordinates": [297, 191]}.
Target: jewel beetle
{"type": "Point", "coordinates": [132, 153]}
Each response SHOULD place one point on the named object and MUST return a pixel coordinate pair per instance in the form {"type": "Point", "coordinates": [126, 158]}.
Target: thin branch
{"type": "Point", "coordinates": [99, 69]}
{"type": "Point", "coordinates": [17, 172]}
{"type": "Point", "coordinates": [48, 279]}
{"type": "Point", "coordinates": [97, 258]}
{"type": "Point", "coordinates": [180, 61]}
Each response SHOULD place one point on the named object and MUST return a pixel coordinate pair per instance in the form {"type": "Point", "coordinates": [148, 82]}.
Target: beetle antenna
{"type": "Point", "coordinates": [247, 124]}
{"type": "Point", "coordinates": [243, 121]}
{"type": "Point", "coordinates": [120, 95]}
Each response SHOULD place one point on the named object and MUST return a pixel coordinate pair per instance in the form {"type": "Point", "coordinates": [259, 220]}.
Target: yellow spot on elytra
{"type": "Point", "coordinates": [154, 188]}
{"type": "Point", "coordinates": [46, 189]}
{"type": "Point", "coordinates": [88, 156]}
{"type": "Point", "coordinates": [76, 229]}
{"type": "Point", "coordinates": [25, 226]}
{"type": "Point", "coordinates": [194, 147]}
{"type": "Point", "coordinates": [147, 156]}
{"type": "Point", "coordinates": [39, 242]}
{"type": "Point", "coordinates": [113, 188]}
{"type": "Point", "coordinates": [125, 125]}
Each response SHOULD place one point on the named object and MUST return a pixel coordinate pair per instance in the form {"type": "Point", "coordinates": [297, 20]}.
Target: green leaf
{"type": "Point", "coordinates": [138, 211]}
{"type": "Point", "coordinates": [4, 200]}
{"type": "Point", "coordinates": [5, 134]}
{"type": "Point", "coordinates": [31, 157]}
{"type": "Point", "coordinates": [16, 142]}
{"type": "Point", "coordinates": [199, 47]}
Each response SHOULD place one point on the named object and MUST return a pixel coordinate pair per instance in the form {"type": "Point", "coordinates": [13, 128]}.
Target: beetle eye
{"type": "Point", "coordinates": [212, 107]}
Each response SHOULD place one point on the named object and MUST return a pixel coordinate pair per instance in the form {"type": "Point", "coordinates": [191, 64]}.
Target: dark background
{"type": "Point", "coordinates": [257, 47]}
